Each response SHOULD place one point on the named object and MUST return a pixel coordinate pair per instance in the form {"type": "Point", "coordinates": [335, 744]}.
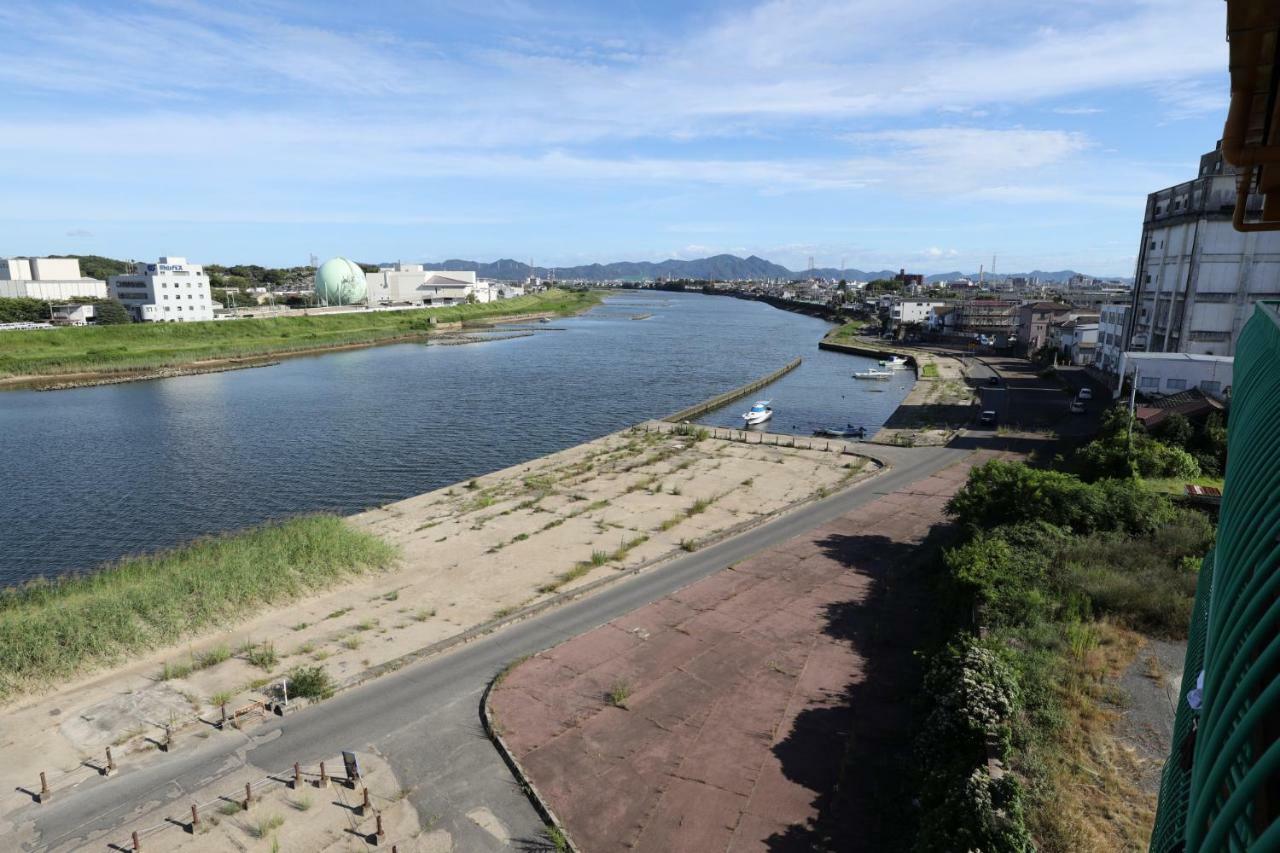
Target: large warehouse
{"type": "Point", "coordinates": [53, 279]}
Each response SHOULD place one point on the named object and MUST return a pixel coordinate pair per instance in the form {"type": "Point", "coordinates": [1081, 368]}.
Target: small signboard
{"type": "Point", "coordinates": [353, 767]}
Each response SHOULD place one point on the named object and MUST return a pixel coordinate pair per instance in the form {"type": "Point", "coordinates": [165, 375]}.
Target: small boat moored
{"type": "Point", "coordinates": [759, 413]}
{"type": "Point", "coordinates": [895, 362]}
{"type": "Point", "coordinates": [847, 431]}
{"type": "Point", "coordinates": [872, 373]}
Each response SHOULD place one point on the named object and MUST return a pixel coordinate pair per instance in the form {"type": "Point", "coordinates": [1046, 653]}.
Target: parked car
{"type": "Point", "coordinates": [1085, 394]}
{"type": "Point", "coordinates": [987, 418]}
{"type": "Point", "coordinates": [1077, 407]}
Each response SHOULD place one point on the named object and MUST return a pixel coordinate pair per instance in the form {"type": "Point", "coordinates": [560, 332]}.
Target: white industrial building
{"type": "Point", "coordinates": [168, 291]}
{"type": "Point", "coordinates": [412, 284]}
{"type": "Point", "coordinates": [1161, 374]}
{"type": "Point", "coordinates": [52, 279]}
{"type": "Point", "coordinates": [1197, 277]}
{"type": "Point", "coordinates": [912, 311]}
{"type": "Point", "coordinates": [1111, 325]}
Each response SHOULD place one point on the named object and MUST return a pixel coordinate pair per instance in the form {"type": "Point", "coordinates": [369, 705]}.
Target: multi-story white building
{"type": "Point", "coordinates": [1197, 277]}
{"type": "Point", "coordinates": [911, 311]}
{"type": "Point", "coordinates": [168, 291]}
{"type": "Point", "coordinates": [53, 279]}
{"type": "Point", "coordinates": [1111, 325]}
{"type": "Point", "coordinates": [1161, 374]}
{"type": "Point", "coordinates": [413, 284]}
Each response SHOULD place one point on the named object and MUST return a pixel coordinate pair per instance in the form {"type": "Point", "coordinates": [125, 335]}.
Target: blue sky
{"type": "Point", "coordinates": [929, 134]}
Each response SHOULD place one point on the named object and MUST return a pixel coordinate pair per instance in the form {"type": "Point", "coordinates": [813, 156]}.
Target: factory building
{"type": "Point", "coordinates": [412, 284]}
{"type": "Point", "coordinates": [168, 291]}
{"type": "Point", "coordinates": [51, 279]}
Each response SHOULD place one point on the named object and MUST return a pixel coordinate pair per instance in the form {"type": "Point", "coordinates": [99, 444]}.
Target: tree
{"type": "Point", "coordinates": [109, 312]}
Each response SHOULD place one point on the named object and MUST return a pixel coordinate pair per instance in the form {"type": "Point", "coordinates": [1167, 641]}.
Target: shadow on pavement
{"type": "Point", "coordinates": [856, 751]}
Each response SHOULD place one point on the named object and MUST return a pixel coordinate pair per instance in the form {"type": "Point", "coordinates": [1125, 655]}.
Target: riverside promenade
{"type": "Point", "coordinates": [765, 707]}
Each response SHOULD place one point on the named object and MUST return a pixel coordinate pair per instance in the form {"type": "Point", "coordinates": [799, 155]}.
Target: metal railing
{"type": "Point", "coordinates": [1219, 787]}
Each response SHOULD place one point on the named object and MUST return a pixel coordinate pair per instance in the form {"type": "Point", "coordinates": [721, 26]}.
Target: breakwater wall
{"type": "Point", "coordinates": [866, 351]}
{"type": "Point", "coordinates": [729, 396]}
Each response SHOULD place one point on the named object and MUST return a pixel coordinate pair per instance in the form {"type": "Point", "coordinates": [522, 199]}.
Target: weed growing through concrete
{"type": "Point", "coordinates": [618, 694]}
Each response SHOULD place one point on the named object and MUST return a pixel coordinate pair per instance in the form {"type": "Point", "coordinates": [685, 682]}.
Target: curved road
{"type": "Point", "coordinates": [424, 719]}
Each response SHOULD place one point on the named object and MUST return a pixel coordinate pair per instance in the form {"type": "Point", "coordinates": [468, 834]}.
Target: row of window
{"type": "Point", "coordinates": [1152, 383]}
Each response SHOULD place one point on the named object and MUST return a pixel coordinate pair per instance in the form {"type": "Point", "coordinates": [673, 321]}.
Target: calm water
{"type": "Point", "coordinates": [93, 474]}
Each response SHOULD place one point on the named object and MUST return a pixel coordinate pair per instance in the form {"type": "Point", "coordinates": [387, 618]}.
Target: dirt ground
{"type": "Point", "coordinates": [471, 553]}
{"type": "Point", "coordinates": [759, 709]}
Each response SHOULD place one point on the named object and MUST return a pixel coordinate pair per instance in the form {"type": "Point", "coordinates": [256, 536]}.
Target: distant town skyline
{"type": "Point", "coordinates": [875, 135]}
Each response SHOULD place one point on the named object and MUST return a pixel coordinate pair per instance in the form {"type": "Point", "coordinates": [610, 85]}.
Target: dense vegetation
{"type": "Point", "coordinates": [1174, 448]}
{"type": "Point", "coordinates": [24, 310]}
{"type": "Point", "coordinates": [1058, 571]}
{"type": "Point", "coordinates": [55, 629]}
{"type": "Point", "coordinates": [154, 345]}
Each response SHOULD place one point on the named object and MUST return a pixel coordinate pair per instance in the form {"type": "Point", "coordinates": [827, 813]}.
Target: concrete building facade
{"type": "Point", "coordinates": [1161, 374]}
{"type": "Point", "coordinates": [168, 291]}
{"type": "Point", "coordinates": [1112, 320]}
{"type": "Point", "coordinates": [52, 279]}
{"type": "Point", "coordinates": [1034, 320]}
{"type": "Point", "coordinates": [411, 283]}
{"type": "Point", "coordinates": [1197, 277]}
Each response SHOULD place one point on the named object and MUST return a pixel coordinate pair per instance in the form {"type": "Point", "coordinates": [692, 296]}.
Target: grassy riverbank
{"type": "Point", "coordinates": [52, 630]}
{"type": "Point", "coordinates": [148, 346]}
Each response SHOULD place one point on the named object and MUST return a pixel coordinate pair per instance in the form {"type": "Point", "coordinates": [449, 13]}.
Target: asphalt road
{"type": "Point", "coordinates": [423, 719]}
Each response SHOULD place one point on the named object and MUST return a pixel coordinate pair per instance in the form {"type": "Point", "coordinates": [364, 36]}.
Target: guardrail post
{"type": "Point", "coordinates": [324, 777]}
{"type": "Point", "coordinates": [195, 819]}
{"type": "Point", "coordinates": [44, 788]}
{"type": "Point", "coordinates": [223, 724]}
{"type": "Point", "coordinates": [111, 764]}
{"type": "Point", "coordinates": [379, 833]}
{"type": "Point", "coordinates": [248, 795]}
{"type": "Point", "coordinates": [168, 737]}
{"type": "Point", "coordinates": [137, 845]}
{"type": "Point", "coordinates": [297, 777]}
{"type": "Point", "coordinates": [363, 808]}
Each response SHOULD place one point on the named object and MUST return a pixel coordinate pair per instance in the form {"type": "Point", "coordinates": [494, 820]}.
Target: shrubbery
{"type": "Point", "coordinates": [1174, 448]}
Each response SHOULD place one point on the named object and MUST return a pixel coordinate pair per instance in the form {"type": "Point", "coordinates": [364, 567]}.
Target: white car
{"type": "Point", "coordinates": [1077, 407]}
{"type": "Point", "coordinates": [1085, 394]}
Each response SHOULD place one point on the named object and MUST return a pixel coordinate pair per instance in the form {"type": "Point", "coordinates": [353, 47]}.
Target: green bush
{"type": "Point", "coordinates": [310, 682]}
{"type": "Point", "coordinates": [1000, 493]}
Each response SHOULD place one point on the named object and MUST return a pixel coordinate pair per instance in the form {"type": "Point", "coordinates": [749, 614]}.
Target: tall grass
{"type": "Point", "coordinates": [140, 346]}
{"type": "Point", "coordinates": [54, 629]}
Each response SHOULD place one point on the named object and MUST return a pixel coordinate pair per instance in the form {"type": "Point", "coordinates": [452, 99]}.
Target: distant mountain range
{"type": "Point", "coordinates": [722, 267]}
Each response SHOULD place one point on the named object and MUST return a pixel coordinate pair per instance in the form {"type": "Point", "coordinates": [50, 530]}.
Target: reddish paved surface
{"type": "Point", "coordinates": [745, 690]}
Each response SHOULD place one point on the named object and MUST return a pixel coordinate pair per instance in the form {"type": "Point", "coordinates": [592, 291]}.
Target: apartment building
{"type": "Point", "coordinates": [1197, 277]}
{"type": "Point", "coordinates": [1112, 320]}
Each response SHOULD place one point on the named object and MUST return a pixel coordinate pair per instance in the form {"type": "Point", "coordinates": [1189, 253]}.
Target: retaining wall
{"type": "Point", "coordinates": [729, 396]}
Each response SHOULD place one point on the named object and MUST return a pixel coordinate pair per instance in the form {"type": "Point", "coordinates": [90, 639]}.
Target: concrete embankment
{"type": "Point", "coordinates": [866, 350]}
{"type": "Point", "coordinates": [729, 396]}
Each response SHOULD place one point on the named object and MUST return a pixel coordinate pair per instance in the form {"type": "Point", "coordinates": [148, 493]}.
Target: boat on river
{"type": "Point", "coordinates": [872, 373]}
{"type": "Point", "coordinates": [895, 362]}
{"type": "Point", "coordinates": [759, 413]}
{"type": "Point", "coordinates": [847, 431]}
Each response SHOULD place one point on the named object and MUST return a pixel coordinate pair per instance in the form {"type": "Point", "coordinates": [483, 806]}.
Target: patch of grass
{"type": "Point", "coordinates": [566, 577]}
{"type": "Point", "coordinates": [263, 656]}
{"type": "Point", "coordinates": [310, 682]}
{"type": "Point", "coordinates": [266, 825]}
{"type": "Point", "coordinates": [394, 595]}
{"type": "Point", "coordinates": [300, 626]}
{"type": "Point", "coordinates": [520, 537]}
{"type": "Point", "coordinates": [423, 615]}
{"type": "Point", "coordinates": [929, 370]}
{"type": "Point", "coordinates": [555, 522]}
{"type": "Point", "coordinates": [339, 613]}
{"type": "Point", "coordinates": [229, 809]}
{"type": "Point", "coordinates": [671, 522]}
{"type": "Point", "coordinates": [366, 624]}
{"type": "Point", "coordinates": [625, 547]}
{"type": "Point", "coordinates": [599, 558]}
{"type": "Point", "coordinates": [689, 545]}
{"type": "Point", "coordinates": [618, 694]}
{"type": "Point", "coordinates": [352, 642]}
{"type": "Point", "coordinates": [220, 698]}
{"type": "Point", "coordinates": [212, 657]}
{"type": "Point", "coordinates": [504, 612]}
{"type": "Point", "coordinates": [556, 839]}
{"type": "Point", "coordinates": [304, 649]}
{"type": "Point", "coordinates": [301, 804]}
{"type": "Point", "coordinates": [699, 506]}
{"type": "Point", "coordinates": [676, 490]}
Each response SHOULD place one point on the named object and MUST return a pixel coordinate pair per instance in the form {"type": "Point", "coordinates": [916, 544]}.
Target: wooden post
{"type": "Point", "coordinates": [44, 788]}
{"type": "Point", "coordinates": [248, 795]}
{"type": "Point", "coordinates": [137, 845]}
{"type": "Point", "coordinates": [195, 818]}
{"type": "Point", "coordinates": [168, 737]}
{"type": "Point", "coordinates": [223, 724]}
{"type": "Point", "coordinates": [111, 764]}
{"type": "Point", "coordinates": [379, 832]}
{"type": "Point", "coordinates": [363, 808]}
{"type": "Point", "coordinates": [324, 777]}
{"type": "Point", "coordinates": [297, 777]}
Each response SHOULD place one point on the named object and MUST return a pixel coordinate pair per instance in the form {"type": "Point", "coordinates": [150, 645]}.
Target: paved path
{"type": "Point", "coordinates": [424, 719]}
{"type": "Point", "coordinates": [762, 706]}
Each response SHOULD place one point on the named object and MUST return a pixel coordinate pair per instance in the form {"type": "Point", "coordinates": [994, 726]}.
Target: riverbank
{"type": "Point", "coordinates": [72, 357]}
{"type": "Point", "coordinates": [473, 554]}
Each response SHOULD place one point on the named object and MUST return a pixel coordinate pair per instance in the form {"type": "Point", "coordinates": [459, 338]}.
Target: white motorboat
{"type": "Point", "coordinates": [895, 362]}
{"type": "Point", "coordinates": [760, 412]}
{"type": "Point", "coordinates": [872, 373]}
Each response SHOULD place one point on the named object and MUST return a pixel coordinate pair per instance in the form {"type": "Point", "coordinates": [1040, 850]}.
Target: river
{"type": "Point", "coordinates": [93, 474]}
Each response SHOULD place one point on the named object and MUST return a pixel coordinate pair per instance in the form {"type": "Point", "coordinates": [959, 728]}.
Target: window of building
{"type": "Point", "coordinates": [1209, 387]}
{"type": "Point", "coordinates": [1175, 384]}
{"type": "Point", "coordinates": [1152, 382]}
